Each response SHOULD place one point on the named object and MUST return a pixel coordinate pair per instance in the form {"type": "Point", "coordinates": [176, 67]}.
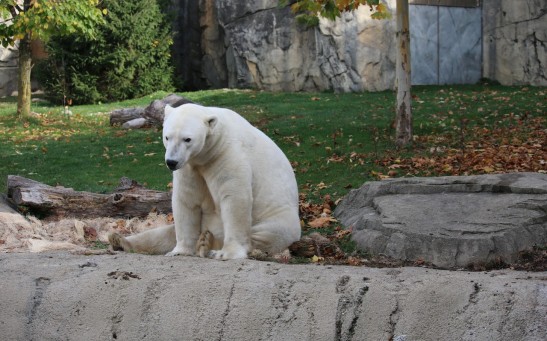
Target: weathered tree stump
{"type": "Point", "coordinates": [154, 113]}
{"type": "Point", "coordinates": [120, 116]}
{"type": "Point", "coordinates": [130, 199]}
{"type": "Point", "coordinates": [133, 118]}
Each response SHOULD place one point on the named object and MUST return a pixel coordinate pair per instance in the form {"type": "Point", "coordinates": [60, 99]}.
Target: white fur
{"type": "Point", "coordinates": [229, 179]}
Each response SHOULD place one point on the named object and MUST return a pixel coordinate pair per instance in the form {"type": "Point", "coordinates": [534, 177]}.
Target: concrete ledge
{"type": "Point", "coordinates": [60, 296]}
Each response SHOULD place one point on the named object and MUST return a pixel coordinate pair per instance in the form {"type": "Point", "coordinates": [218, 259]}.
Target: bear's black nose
{"type": "Point", "coordinates": [172, 164]}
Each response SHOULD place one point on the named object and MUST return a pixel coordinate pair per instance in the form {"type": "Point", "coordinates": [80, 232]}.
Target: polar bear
{"type": "Point", "coordinates": [233, 189]}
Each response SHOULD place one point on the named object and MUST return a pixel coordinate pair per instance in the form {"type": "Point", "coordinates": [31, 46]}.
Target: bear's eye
{"type": "Point", "coordinates": [166, 138]}
{"type": "Point", "coordinates": [187, 139]}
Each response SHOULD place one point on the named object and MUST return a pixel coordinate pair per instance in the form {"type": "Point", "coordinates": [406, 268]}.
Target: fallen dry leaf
{"type": "Point", "coordinates": [321, 222]}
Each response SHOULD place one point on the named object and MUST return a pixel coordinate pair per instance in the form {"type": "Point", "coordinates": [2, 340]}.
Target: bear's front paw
{"type": "Point", "coordinates": [229, 253]}
{"type": "Point", "coordinates": [180, 251]}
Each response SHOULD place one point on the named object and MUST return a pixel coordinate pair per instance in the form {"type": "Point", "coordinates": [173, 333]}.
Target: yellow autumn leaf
{"type": "Point", "coordinates": [316, 259]}
{"type": "Point", "coordinates": [381, 8]}
{"type": "Point", "coordinates": [488, 169]}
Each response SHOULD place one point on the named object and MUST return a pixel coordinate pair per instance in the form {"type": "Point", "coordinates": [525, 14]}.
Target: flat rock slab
{"type": "Point", "coordinates": [60, 296]}
{"type": "Point", "coordinates": [449, 221]}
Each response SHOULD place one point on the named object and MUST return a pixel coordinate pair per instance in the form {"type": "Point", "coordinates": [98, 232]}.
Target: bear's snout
{"type": "Point", "coordinates": [172, 164]}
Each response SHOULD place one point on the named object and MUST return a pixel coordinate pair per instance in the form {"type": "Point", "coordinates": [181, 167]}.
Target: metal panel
{"type": "Point", "coordinates": [446, 45]}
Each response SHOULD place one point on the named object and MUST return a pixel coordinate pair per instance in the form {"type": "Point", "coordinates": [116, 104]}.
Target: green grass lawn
{"type": "Point", "coordinates": [335, 141]}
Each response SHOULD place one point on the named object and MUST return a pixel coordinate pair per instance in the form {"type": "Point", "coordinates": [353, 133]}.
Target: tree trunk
{"type": "Point", "coordinates": [129, 200]}
{"type": "Point", "coordinates": [23, 85]}
{"type": "Point", "coordinates": [403, 119]}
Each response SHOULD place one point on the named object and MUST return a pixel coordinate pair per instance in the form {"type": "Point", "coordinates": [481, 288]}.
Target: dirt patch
{"type": "Point", "coordinates": [34, 235]}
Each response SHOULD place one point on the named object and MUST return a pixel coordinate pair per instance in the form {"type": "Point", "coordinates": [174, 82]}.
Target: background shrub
{"type": "Point", "coordinates": [129, 58]}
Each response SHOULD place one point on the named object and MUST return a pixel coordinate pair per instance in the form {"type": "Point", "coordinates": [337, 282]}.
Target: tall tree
{"type": "Point", "coordinates": [25, 20]}
{"type": "Point", "coordinates": [308, 13]}
{"type": "Point", "coordinates": [129, 57]}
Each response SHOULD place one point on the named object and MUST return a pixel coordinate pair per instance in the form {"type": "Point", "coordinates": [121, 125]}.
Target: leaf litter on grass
{"type": "Point", "coordinates": [515, 144]}
{"type": "Point", "coordinates": [521, 147]}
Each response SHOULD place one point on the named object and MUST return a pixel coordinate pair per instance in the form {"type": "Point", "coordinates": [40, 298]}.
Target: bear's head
{"type": "Point", "coordinates": [185, 132]}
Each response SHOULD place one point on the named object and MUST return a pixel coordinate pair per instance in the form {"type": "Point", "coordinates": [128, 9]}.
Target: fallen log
{"type": "Point", "coordinates": [120, 116]}
{"type": "Point", "coordinates": [153, 113]}
{"type": "Point", "coordinates": [130, 199]}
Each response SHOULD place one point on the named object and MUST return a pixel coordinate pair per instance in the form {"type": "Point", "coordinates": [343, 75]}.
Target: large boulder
{"type": "Point", "coordinates": [449, 221]}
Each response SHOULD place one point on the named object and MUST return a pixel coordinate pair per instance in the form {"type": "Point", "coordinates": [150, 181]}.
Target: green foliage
{"type": "Point", "coordinates": [130, 57]}
{"type": "Point", "coordinates": [308, 11]}
{"type": "Point", "coordinates": [98, 245]}
{"type": "Point", "coordinates": [39, 19]}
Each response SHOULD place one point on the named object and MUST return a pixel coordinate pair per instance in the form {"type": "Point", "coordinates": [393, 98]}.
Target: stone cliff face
{"type": "Point", "coordinates": [259, 45]}
{"type": "Point", "coordinates": [186, 52]}
{"type": "Point", "coordinates": [515, 41]}
{"type": "Point", "coordinates": [8, 70]}
{"type": "Point", "coordinates": [271, 51]}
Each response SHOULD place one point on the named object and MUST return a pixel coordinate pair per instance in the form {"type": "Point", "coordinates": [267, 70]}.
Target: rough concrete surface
{"type": "Point", "coordinates": [449, 221]}
{"type": "Point", "coordinates": [61, 296]}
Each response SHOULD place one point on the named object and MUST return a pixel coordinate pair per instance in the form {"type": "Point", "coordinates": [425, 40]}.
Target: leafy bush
{"type": "Point", "coordinates": [130, 57]}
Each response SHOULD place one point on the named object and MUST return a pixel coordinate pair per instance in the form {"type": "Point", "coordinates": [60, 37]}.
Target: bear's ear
{"type": "Point", "coordinates": [167, 111]}
{"type": "Point", "coordinates": [211, 122]}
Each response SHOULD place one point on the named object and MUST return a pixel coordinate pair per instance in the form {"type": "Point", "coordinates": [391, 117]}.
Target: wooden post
{"type": "Point", "coordinates": [403, 119]}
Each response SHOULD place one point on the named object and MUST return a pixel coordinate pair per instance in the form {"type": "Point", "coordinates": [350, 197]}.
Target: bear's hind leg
{"type": "Point", "coordinates": [275, 236]}
{"type": "Point", "coordinates": [157, 241]}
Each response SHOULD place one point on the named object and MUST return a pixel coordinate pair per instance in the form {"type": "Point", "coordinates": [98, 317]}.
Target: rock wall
{"type": "Point", "coordinates": [9, 67]}
{"type": "Point", "coordinates": [515, 41]}
{"type": "Point", "coordinates": [186, 50]}
{"type": "Point", "coordinates": [8, 70]}
{"type": "Point", "coordinates": [259, 45]}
